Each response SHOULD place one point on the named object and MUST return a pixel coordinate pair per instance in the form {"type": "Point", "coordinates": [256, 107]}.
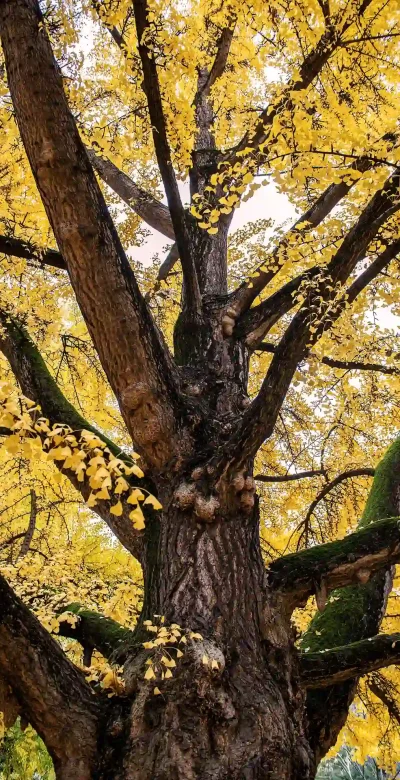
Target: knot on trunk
{"type": "Point", "coordinates": [189, 495]}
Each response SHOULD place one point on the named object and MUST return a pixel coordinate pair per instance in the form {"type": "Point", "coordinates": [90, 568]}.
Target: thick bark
{"type": "Point", "coordinates": [54, 695]}
{"type": "Point", "coordinates": [352, 614]}
{"type": "Point", "coordinates": [140, 370]}
{"type": "Point", "coordinates": [243, 718]}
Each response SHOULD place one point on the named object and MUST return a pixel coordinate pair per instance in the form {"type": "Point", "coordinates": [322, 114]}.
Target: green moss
{"type": "Point", "coordinates": [94, 630]}
{"type": "Point", "coordinates": [354, 612]}
{"type": "Point", "coordinates": [45, 389]}
{"type": "Point", "coordinates": [382, 501]}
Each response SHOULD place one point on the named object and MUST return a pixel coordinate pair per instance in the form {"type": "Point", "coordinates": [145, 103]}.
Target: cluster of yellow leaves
{"type": "Point", "coordinates": [106, 677]}
{"type": "Point", "coordinates": [81, 452]}
{"type": "Point", "coordinates": [166, 648]}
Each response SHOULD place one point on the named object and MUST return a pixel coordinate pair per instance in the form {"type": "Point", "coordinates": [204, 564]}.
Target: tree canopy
{"type": "Point", "coordinates": [266, 342]}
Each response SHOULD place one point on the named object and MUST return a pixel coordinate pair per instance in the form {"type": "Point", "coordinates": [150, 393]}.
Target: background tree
{"type": "Point", "coordinates": [287, 379]}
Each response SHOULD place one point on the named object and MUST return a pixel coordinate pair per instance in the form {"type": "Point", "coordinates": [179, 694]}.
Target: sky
{"type": "Point", "coordinates": [266, 202]}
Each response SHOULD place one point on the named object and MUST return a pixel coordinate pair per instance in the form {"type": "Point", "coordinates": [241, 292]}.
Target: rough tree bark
{"type": "Point", "coordinates": [248, 716]}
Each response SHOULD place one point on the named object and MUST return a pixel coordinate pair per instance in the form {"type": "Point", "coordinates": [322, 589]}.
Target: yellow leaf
{"type": "Point", "coordinates": [135, 496]}
{"type": "Point", "coordinates": [138, 519]}
{"type": "Point", "coordinates": [152, 501]}
{"type": "Point", "coordinates": [91, 500]}
{"type": "Point", "coordinates": [117, 509]}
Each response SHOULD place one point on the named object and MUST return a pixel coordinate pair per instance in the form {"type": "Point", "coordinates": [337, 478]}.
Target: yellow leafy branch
{"type": "Point", "coordinates": [81, 452]}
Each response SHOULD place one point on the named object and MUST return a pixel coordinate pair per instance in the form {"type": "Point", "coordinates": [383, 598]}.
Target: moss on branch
{"type": "Point", "coordinates": [336, 564]}
{"type": "Point", "coordinates": [333, 666]}
{"type": "Point", "coordinates": [94, 631]}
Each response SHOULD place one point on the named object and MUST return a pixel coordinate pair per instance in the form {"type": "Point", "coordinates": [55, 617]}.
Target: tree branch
{"type": "Point", "coordinates": [363, 472]}
{"type": "Point", "coordinates": [309, 70]}
{"type": "Point", "coordinates": [54, 695]}
{"type": "Point", "coordinates": [168, 264]}
{"type": "Point", "coordinates": [140, 371]}
{"type": "Point", "coordinates": [94, 631]}
{"type": "Point", "coordinates": [114, 32]}
{"type": "Point", "coordinates": [164, 159]}
{"type": "Point", "coordinates": [16, 247]}
{"type": "Point", "coordinates": [28, 536]}
{"type": "Point", "coordinates": [244, 296]}
{"type": "Point", "coordinates": [37, 383]}
{"type": "Point", "coordinates": [314, 318]}
{"type": "Point", "coordinates": [289, 477]}
{"type": "Point", "coordinates": [345, 365]}
{"type": "Point", "coordinates": [353, 613]}
{"type": "Point", "coordinates": [204, 151]}
{"type": "Point", "coordinates": [351, 560]}
{"type": "Point", "coordinates": [322, 669]}
{"type": "Point", "coordinates": [221, 58]}
{"type": "Point", "coordinates": [261, 318]}
{"type": "Point", "coordinates": [381, 688]}
{"type": "Point", "coordinates": [258, 321]}
{"type": "Point", "coordinates": [145, 205]}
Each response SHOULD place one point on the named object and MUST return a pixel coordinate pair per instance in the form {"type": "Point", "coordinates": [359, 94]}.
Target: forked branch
{"type": "Point", "coordinates": [310, 219]}
{"type": "Point", "coordinates": [141, 371]}
{"type": "Point", "coordinates": [315, 317]}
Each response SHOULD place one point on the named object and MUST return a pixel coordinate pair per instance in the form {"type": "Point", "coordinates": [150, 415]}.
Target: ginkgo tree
{"type": "Point", "coordinates": [229, 415]}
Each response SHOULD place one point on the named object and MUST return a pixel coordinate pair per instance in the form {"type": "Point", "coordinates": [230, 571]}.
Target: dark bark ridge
{"type": "Point", "coordinates": [260, 709]}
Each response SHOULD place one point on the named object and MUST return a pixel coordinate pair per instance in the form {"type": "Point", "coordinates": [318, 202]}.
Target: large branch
{"type": "Point", "coordinates": [259, 420]}
{"type": "Point", "coordinates": [309, 70]}
{"type": "Point", "coordinates": [94, 631]}
{"type": "Point", "coordinates": [164, 158]}
{"type": "Point", "coordinates": [131, 349]}
{"type": "Point", "coordinates": [52, 692]}
{"type": "Point", "coordinates": [353, 613]}
{"type": "Point", "coordinates": [244, 296]}
{"type": "Point", "coordinates": [321, 569]}
{"type": "Point", "coordinates": [259, 320]}
{"type": "Point", "coordinates": [16, 247]}
{"type": "Point", "coordinates": [322, 669]}
{"type": "Point", "coordinates": [37, 383]}
{"type": "Point", "coordinates": [145, 205]}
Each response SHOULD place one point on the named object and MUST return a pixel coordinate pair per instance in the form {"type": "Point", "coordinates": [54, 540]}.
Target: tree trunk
{"type": "Point", "coordinates": [241, 717]}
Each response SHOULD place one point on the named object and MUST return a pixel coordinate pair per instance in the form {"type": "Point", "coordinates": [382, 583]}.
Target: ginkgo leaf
{"type": "Point", "coordinates": [135, 496]}
{"type": "Point", "coordinates": [138, 518]}
{"type": "Point", "coordinates": [117, 509]}
{"type": "Point", "coordinates": [153, 501]}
